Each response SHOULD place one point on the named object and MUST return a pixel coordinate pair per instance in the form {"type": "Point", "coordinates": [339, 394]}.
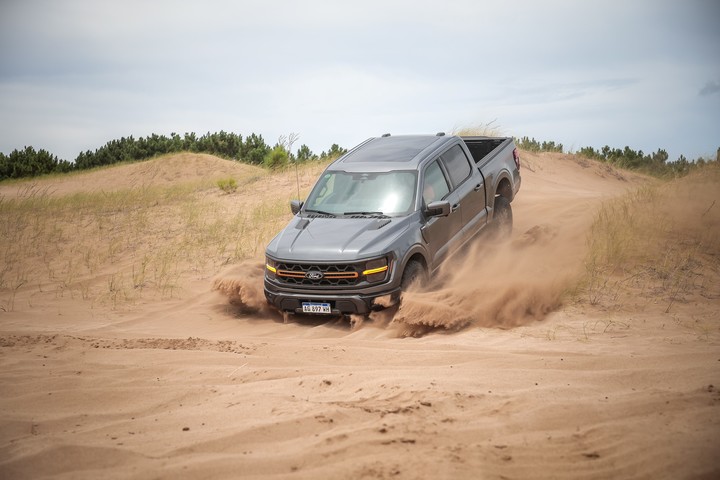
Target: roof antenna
{"type": "Point", "coordinates": [292, 138]}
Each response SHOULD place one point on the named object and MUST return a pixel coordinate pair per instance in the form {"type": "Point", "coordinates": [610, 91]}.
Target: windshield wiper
{"type": "Point", "coordinates": [374, 214]}
{"type": "Point", "coordinates": [307, 210]}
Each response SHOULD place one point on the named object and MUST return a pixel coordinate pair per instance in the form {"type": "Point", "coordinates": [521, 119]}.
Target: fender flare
{"type": "Point", "coordinates": [416, 249]}
{"type": "Point", "coordinates": [500, 189]}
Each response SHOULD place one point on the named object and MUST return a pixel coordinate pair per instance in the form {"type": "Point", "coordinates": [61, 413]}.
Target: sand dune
{"type": "Point", "coordinates": [161, 171]}
{"type": "Point", "coordinates": [496, 373]}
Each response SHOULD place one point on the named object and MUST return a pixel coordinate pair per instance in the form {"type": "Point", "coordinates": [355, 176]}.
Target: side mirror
{"type": "Point", "coordinates": [438, 209]}
{"type": "Point", "coordinates": [295, 206]}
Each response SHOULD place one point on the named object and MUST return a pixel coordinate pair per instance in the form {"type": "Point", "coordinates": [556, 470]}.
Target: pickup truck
{"type": "Point", "coordinates": [386, 215]}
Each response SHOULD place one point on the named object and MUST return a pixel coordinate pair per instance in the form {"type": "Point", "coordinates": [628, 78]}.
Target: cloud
{"type": "Point", "coordinates": [710, 88]}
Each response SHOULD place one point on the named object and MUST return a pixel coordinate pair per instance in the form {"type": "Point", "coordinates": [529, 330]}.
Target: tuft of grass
{"type": "Point", "coordinates": [488, 129]}
{"type": "Point", "coordinates": [227, 185]}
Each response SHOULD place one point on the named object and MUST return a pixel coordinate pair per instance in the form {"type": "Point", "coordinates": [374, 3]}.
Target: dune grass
{"type": "Point", "coordinates": [116, 247]}
{"type": "Point", "coordinates": [659, 244]}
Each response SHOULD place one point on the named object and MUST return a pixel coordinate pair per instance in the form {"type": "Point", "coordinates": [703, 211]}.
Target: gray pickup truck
{"type": "Point", "coordinates": [387, 214]}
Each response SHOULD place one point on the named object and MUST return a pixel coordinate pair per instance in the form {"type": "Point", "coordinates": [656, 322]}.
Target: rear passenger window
{"type": "Point", "coordinates": [457, 165]}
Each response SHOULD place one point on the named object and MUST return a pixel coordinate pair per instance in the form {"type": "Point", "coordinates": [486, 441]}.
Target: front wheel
{"type": "Point", "coordinates": [414, 275]}
{"type": "Point", "coordinates": [502, 223]}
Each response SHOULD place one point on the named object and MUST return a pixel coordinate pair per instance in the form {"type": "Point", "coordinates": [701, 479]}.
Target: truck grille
{"type": "Point", "coordinates": [339, 275]}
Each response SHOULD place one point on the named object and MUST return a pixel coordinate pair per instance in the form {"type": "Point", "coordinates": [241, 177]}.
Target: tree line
{"type": "Point", "coordinates": [656, 163]}
{"type": "Point", "coordinates": [253, 149]}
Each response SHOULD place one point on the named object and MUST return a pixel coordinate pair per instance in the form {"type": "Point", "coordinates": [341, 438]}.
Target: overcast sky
{"type": "Point", "coordinates": [75, 74]}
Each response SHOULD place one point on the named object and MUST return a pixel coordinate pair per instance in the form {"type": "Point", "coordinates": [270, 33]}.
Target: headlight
{"type": "Point", "coordinates": [376, 270]}
{"type": "Point", "coordinates": [270, 267]}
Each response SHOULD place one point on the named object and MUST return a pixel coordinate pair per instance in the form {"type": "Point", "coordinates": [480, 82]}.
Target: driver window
{"type": "Point", "coordinates": [435, 186]}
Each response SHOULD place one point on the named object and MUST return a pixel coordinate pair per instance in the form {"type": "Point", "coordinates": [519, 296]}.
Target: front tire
{"type": "Point", "coordinates": [414, 275]}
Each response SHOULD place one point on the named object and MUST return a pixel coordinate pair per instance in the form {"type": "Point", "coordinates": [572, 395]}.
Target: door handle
{"type": "Point", "coordinates": [455, 207]}
{"type": "Point", "coordinates": [478, 187]}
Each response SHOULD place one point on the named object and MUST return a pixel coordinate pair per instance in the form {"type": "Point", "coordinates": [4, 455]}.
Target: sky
{"type": "Point", "coordinates": [75, 74]}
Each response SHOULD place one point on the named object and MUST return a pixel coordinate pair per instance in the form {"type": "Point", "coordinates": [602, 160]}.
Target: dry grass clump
{"type": "Point", "coordinates": [227, 185]}
{"type": "Point", "coordinates": [659, 244]}
{"type": "Point", "coordinates": [488, 129]}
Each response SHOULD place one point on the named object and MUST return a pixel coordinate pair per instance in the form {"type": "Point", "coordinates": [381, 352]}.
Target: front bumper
{"type": "Point", "coordinates": [341, 303]}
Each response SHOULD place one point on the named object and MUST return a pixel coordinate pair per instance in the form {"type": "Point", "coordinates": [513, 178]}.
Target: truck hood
{"type": "Point", "coordinates": [336, 239]}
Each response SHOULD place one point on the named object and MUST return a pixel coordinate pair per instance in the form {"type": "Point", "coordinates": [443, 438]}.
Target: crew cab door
{"type": "Point", "coordinates": [469, 185]}
{"type": "Point", "coordinates": [440, 233]}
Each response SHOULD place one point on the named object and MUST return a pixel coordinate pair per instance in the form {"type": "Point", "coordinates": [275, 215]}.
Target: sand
{"type": "Point", "coordinates": [494, 374]}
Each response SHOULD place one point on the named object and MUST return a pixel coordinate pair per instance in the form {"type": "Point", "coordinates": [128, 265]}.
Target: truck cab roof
{"type": "Point", "coordinates": [402, 152]}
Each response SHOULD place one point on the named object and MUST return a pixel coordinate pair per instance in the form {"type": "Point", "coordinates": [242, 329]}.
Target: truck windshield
{"type": "Point", "coordinates": [345, 193]}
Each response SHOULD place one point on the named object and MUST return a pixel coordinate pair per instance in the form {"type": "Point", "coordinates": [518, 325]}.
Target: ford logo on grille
{"type": "Point", "coordinates": [314, 275]}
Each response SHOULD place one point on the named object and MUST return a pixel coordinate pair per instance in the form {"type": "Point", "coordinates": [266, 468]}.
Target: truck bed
{"type": "Point", "coordinates": [481, 148]}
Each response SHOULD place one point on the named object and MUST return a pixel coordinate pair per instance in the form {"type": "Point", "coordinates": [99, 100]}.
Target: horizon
{"type": "Point", "coordinates": [324, 151]}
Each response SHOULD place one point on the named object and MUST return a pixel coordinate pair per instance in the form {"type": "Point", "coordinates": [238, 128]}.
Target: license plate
{"type": "Point", "coordinates": [316, 307]}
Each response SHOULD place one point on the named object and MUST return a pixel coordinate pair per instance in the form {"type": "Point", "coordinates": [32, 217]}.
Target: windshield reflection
{"type": "Point", "coordinates": [384, 193]}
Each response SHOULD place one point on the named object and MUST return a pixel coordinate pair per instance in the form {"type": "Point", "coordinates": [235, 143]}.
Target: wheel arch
{"type": "Point", "coordinates": [418, 254]}
{"type": "Point", "coordinates": [504, 187]}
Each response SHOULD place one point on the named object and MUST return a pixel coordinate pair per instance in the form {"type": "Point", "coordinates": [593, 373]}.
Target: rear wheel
{"type": "Point", "coordinates": [502, 224]}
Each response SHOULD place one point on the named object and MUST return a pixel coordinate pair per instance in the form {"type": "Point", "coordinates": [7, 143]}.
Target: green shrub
{"type": "Point", "coordinates": [277, 158]}
{"type": "Point", "coordinates": [227, 185]}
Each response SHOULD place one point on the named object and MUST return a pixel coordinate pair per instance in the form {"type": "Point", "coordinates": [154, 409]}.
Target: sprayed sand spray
{"type": "Point", "coordinates": [243, 285]}
{"type": "Point", "coordinates": [495, 285]}
{"type": "Point", "coordinates": [499, 285]}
